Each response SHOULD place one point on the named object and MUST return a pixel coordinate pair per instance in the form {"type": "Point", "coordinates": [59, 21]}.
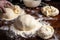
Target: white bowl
{"type": "Point", "coordinates": [32, 3]}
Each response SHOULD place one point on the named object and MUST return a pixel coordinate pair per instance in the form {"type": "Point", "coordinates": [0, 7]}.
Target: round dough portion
{"type": "Point", "coordinates": [46, 32]}
{"type": "Point", "coordinates": [27, 24]}
{"type": "Point", "coordinates": [9, 15]}
{"type": "Point", "coordinates": [49, 11]}
{"type": "Point", "coordinates": [12, 14]}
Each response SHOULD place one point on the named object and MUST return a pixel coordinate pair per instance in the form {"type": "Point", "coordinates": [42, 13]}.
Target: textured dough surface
{"type": "Point", "coordinates": [46, 32]}
{"type": "Point", "coordinates": [28, 26]}
{"type": "Point", "coordinates": [13, 13]}
{"type": "Point", "coordinates": [49, 11]}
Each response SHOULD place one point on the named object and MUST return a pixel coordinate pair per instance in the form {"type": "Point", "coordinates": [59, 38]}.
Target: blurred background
{"type": "Point", "coordinates": [42, 0]}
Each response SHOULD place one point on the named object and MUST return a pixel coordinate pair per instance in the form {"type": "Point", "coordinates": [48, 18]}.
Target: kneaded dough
{"type": "Point", "coordinates": [12, 14]}
{"type": "Point", "coordinates": [46, 32]}
{"type": "Point", "coordinates": [9, 15]}
{"type": "Point", "coordinates": [27, 24]}
{"type": "Point", "coordinates": [49, 11]}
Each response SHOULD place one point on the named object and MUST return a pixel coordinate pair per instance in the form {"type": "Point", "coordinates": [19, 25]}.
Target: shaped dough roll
{"type": "Point", "coordinates": [9, 15]}
{"type": "Point", "coordinates": [49, 11]}
{"type": "Point", "coordinates": [46, 32]}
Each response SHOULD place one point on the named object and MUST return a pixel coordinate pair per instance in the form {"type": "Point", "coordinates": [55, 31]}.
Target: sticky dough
{"type": "Point", "coordinates": [28, 26]}
{"type": "Point", "coordinates": [46, 31]}
{"type": "Point", "coordinates": [12, 13]}
{"type": "Point", "coordinates": [49, 11]}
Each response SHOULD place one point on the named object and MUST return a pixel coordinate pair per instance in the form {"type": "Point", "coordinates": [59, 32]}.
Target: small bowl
{"type": "Point", "coordinates": [32, 3]}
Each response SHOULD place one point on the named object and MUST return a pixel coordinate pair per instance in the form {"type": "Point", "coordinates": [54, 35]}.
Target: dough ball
{"type": "Point", "coordinates": [49, 11]}
{"type": "Point", "coordinates": [27, 24]}
{"type": "Point", "coordinates": [9, 15]}
{"type": "Point", "coordinates": [12, 14]}
{"type": "Point", "coordinates": [46, 32]}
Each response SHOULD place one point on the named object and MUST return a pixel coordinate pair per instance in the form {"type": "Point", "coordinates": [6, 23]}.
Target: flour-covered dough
{"type": "Point", "coordinates": [46, 31]}
{"type": "Point", "coordinates": [49, 11]}
{"type": "Point", "coordinates": [27, 25]}
{"type": "Point", "coordinates": [12, 13]}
